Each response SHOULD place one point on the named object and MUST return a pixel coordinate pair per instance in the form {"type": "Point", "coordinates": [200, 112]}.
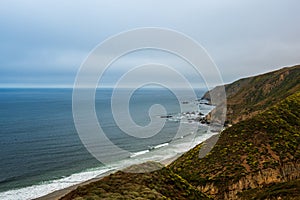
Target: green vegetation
{"type": "Point", "coordinates": [265, 141]}
{"type": "Point", "coordinates": [161, 184]}
{"type": "Point", "coordinates": [249, 96]}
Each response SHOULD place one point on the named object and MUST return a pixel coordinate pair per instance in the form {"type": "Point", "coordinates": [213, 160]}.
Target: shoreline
{"type": "Point", "coordinates": [60, 193]}
{"type": "Point", "coordinates": [55, 195]}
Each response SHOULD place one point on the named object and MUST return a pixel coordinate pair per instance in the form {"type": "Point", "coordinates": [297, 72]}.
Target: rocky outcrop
{"type": "Point", "coordinates": [259, 179]}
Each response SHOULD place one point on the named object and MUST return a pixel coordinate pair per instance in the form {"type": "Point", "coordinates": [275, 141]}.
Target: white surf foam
{"type": "Point", "coordinates": [47, 187]}
{"type": "Point", "coordinates": [138, 153]}
{"type": "Point", "coordinates": [161, 145]}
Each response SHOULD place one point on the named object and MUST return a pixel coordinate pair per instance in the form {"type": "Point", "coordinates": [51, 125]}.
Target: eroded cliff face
{"type": "Point", "coordinates": [286, 172]}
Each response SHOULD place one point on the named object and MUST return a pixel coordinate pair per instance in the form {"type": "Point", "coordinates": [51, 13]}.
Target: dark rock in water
{"type": "Point", "coordinates": [151, 148]}
{"type": "Point", "coordinates": [205, 103]}
{"type": "Point", "coordinates": [202, 120]}
{"type": "Point", "coordinates": [166, 116]}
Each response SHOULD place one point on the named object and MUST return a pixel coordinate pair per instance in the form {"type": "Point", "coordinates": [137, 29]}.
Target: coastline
{"type": "Point", "coordinates": [55, 195]}
{"type": "Point", "coordinates": [60, 193]}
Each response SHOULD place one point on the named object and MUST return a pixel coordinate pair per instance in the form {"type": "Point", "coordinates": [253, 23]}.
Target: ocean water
{"type": "Point", "coordinates": [40, 149]}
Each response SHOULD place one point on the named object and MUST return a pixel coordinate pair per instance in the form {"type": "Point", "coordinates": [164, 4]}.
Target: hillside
{"type": "Point", "coordinates": [250, 96]}
{"type": "Point", "coordinates": [162, 184]}
{"type": "Point", "coordinates": [258, 157]}
{"type": "Point", "coordinates": [254, 153]}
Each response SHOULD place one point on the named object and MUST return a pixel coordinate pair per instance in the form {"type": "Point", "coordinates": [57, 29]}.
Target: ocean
{"type": "Point", "coordinates": [40, 149]}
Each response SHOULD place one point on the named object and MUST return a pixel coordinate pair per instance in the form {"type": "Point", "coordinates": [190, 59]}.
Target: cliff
{"type": "Point", "coordinates": [250, 96]}
{"type": "Point", "coordinates": [254, 153]}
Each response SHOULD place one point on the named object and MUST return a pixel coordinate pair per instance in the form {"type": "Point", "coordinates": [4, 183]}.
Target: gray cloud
{"type": "Point", "coordinates": [48, 40]}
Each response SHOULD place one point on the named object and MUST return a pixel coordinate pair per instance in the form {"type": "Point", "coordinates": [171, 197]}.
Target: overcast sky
{"type": "Point", "coordinates": [43, 43]}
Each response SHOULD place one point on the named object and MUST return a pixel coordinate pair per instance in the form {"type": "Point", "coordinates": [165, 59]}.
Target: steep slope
{"type": "Point", "coordinates": [161, 184]}
{"type": "Point", "coordinates": [253, 153]}
{"type": "Point", "coordinates": [249, 96]}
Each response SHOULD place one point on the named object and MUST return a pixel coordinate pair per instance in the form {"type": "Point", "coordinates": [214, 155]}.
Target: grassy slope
{"type": "Point", "coordinates": [161, 184]}
{"type": "Point", "coordinates": [265, 141]}
{"type": "Point", "coordinates": [249, 96]}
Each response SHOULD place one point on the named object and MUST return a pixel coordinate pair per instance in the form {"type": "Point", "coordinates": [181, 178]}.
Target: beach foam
{"type": "Point", "coordinates": [47, 187]}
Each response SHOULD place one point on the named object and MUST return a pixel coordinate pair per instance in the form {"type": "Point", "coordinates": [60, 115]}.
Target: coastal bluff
{"type": "Point", "coordinates": [249, 96]}
{"type": "Point", "coordinates": [256, 157]}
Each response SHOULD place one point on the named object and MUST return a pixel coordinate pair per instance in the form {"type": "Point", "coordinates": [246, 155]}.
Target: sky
{"type": "Point", "coordinates": [43, 43]}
